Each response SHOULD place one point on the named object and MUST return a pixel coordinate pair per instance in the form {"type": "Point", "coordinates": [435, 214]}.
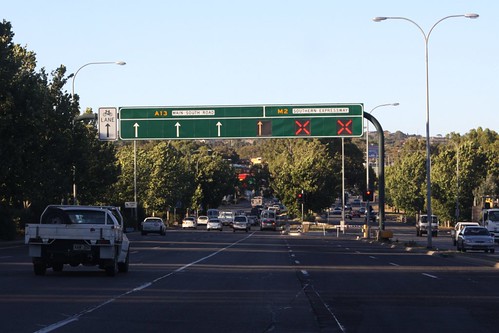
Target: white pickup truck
{"type": "Point", "coordinates": [422, 225]}
{"type": "Point", "coordinates": [78, 235]}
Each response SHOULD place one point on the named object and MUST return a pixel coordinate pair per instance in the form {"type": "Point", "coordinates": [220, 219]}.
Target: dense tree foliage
{"type": "Point", "coordinates": [464, 168]}
{"type": "Point", "coordinates": [43, 149]}
{"type": "Point", "coordinates": [173, 175]}
{"type": "Point", "coordinates": [314, 167]}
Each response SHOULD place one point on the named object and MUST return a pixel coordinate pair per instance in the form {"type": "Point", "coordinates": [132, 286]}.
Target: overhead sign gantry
{"type": "Point", "coordinates": [241, 122]}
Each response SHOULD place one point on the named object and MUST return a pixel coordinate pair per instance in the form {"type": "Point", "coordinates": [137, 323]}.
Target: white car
{"type": "Point", "coordinates": [226, 217]}
{"type": "Point", "coordinates": [214, 224]}
{"type": "Point", "coordinates": [153, 225]}
{"type": "Point", "coordinates": [475, 238]}
{"type": "Point", "coordinates": [240, 223]}
{"type": "Point", "coordinates": [460, 226]}
{"type": "Point", "coordinates": [189, 222]}
{"type": "Point", "coordinates": [203, 219]}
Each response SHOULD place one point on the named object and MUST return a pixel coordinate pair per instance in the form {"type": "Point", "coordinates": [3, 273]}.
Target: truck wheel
{"type": "Point", "coordinates": [112, 267]}
{"type": "Point", "coordinates": [123, 266]}
{"type": "Point", "coordinates": [39, 267]}
{"type": "Point", "coordinates": [57, 267]}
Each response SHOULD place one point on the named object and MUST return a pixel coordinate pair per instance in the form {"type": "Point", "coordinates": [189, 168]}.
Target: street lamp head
{"type": "Point", "coordinates": [395, 104]}
{"type": "Point", "coordinates": [121, 63]}
{"type": "Point", "coordinates": [380, 18]}
{"type": "Point", "coordinates": [471, 15]}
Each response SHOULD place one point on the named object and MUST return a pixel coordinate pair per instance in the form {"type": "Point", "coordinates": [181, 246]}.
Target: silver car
{"type": "Point", "coordinates": [475, 238]}
{"type": "Point", "coordinates": [240, 223]}
{"type": "Point", "coordinates": [189, 222]}
{"type": "Point", "coordinates": [214, 224]}
{"type": "Point", "coordinates": [153, 225]}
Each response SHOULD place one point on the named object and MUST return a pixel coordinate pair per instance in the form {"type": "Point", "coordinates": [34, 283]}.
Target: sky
{"type": "Point", "coordinates": [260, 52]}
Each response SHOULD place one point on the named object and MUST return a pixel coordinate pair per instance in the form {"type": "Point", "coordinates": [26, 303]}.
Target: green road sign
{"type": "Point", "coordinates": [231, 122]}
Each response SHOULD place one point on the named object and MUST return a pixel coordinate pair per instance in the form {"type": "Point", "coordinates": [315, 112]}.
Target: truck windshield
{"type": "Point", "coordinates": [424, 219]}
{"type": "Point", "coordinates": [494, 216]}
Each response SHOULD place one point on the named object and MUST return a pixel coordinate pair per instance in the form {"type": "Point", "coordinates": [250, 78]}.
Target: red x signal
{"type": "Point", "coordinates": [302, 127]}
{"type": "Point", "coordinates": [344, 127]}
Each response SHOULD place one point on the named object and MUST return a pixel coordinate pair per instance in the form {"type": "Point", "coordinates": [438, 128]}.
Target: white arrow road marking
{"type": "Point", "coordinates": [136, 129]}
{"type": "Point", "coordinates": [177, 125]}
{"type": "Point", "coordinates": [219, 125]}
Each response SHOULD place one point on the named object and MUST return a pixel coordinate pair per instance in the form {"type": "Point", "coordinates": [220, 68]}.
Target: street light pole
{"type": "Point", "coordinates": [368, 218]}
{"type": "Point", "coordinates": [121, 63]}
{"type": "Point", "coordinates": [367, 140]}
{"type": "Point", "coordinates": [428, 159]}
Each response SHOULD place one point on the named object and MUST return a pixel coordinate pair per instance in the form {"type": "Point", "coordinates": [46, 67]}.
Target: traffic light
{"type": "Point", "coordinates": [368, 195]}
{"type": "Point", "coordinates": [300, 198]}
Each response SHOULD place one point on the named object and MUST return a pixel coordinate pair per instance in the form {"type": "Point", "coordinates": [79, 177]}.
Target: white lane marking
{"type": "Point", "coordinates": [429, 275]}
{"type": "Point", "coordinates": [304, 272]}
{"type": "Point", "coordinates": [297, 262]}
{"type": "Point", "coordinates": [342, 328]}
{"type": "Point", "coordinates": [393, 264]}
{"type": "Point", "coordinates": [77, 316]}
{"type": "Point", "coordinates": [372, 257]}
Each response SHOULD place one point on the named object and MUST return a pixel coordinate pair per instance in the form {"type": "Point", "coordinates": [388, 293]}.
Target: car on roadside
{"type": "Point", "coordinates": [153, 225]}
{"type": "Point", "coordinates": [422, 225]}
{"type": "Point", "coordinates": [214, 224]}
{"type": "Point", "coordinates": [475, 238]}
{"type": "Point", "coordinates": [240, 223]}
{"type": "Point", "coordinates": [457, 229]}
{"type": "Point", "coordinates": [202, 219]}
{"type": "Point", "coordinates": [189, 223]}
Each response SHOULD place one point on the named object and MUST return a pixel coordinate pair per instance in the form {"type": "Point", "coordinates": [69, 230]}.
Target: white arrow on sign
{"type": "Point", "coordinates": [177, 125]}
{"type": "Point", "coordinates": [136, 129]}
{"type": "Point", "coordinates": [219, 125]}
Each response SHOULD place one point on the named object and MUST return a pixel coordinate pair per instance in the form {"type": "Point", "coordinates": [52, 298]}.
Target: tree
{"type": "Point", "coordinates": [406, 179]}
{"type": "Point", "coordinates": [214, 178]}
{"type": "Point", "coordinates": [170, 179]}
{"type": "Point", "coordinates": [35, 117]}
{"type": "Point", "coordinates": [297, 165]}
